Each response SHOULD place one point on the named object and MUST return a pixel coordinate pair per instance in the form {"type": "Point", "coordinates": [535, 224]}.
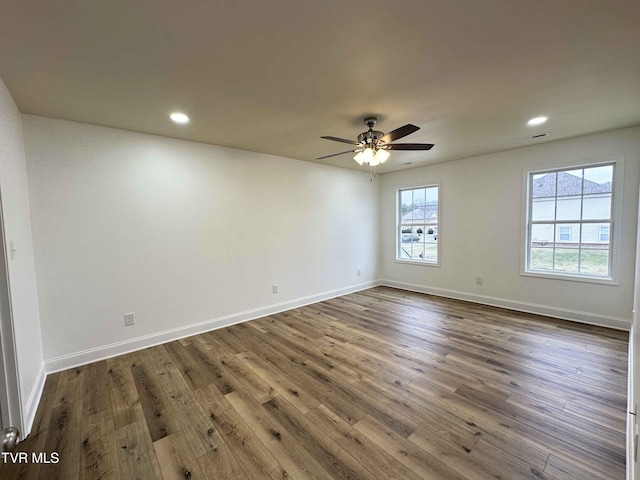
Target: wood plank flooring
{"type": "Point", "coordinates": [381, 384]}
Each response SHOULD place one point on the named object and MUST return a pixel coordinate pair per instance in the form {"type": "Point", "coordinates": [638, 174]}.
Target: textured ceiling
{"type": "Point", "coordinates": [274, 76]}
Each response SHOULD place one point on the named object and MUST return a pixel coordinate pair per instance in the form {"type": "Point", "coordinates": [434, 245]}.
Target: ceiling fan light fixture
{"type": "Point", "coordinates": [371, 156]}
{"type": "Point", "coordinates": [367, 155]}
{"type": "Point", "coordinates": [381, 156]}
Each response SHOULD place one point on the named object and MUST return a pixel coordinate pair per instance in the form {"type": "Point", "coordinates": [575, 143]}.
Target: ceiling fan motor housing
{"type": "Point", "coordinates": [370, 137]}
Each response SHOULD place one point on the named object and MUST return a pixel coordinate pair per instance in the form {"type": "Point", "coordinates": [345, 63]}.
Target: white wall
{"type": "Point", "coordinates": [481, 231]}
{"type": "Point", "coordinates": [186, 235]}
{"type": "Point", "coordinates": [22, 305]}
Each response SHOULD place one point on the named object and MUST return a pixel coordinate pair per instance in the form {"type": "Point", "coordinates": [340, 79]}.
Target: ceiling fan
{"type": "Point", "coordinates": [373, 147]}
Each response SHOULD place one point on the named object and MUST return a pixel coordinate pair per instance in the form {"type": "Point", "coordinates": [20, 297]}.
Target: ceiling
{"type": "Point", "coordinates": [274, 76]}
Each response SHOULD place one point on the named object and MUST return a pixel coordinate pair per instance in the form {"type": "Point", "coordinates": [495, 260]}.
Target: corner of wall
{"type": "Point", "coordinates": [33, 400]}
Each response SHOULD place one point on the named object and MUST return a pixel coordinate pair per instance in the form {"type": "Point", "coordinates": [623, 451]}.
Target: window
{"type": "Point", "coordinates": [417, 236]}
{"type": "Point", "coordinates": [564, 234]}
{"type": "Point", "coordinates": [570, 220]}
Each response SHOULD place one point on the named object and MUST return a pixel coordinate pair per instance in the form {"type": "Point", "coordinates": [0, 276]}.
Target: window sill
{"type": "Point", "coordinates": [572, 278]}
{"type": "Point", "coordinates": [415, 262]}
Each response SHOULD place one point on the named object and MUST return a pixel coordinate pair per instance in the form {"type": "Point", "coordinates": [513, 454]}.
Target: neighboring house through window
{"type": "Point", "coordinates": [417, 230]}
{"type": "Point", "coordinates": [570, 221]}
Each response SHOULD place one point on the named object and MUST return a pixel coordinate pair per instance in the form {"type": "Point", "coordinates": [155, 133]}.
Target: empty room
{"type": "Point", "coordinates": [333, 240]}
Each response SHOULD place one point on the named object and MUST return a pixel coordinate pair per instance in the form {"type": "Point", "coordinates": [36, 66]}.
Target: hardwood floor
{"type": "Point", "coordinates": [381, 384]}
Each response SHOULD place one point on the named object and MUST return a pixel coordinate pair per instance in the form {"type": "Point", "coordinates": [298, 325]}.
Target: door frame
{"type": "Point", "coordinates": [10, 398]}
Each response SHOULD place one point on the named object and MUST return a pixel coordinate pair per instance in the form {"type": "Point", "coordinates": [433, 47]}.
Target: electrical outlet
{"type": "Point", "coordinates": [479, 281]}
{"type": "Point", "coordinates": [359, 273]}
{"type": "Point", "coordinates": [274, 288]}
{"type": "Point", "coordinates": [129, 319]}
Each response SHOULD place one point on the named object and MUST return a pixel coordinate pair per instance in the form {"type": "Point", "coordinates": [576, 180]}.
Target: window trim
{"type": "Point", "coordinates": [398, 226]}
{"type": "Point", "coordinates": [615, 232]}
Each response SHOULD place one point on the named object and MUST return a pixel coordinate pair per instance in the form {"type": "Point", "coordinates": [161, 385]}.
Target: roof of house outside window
{"type": "Point", "coordinates": [422, 214]}
{"type": "Point", "coordinates": [568, 184]}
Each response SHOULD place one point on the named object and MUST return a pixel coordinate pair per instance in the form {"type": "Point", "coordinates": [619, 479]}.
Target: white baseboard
{"type": "Point", "coordinates": [30, 408]}
{"type": "Point", "coordinates": [617, 323]}
{"type": "Point", "coordinates": [83, 357]}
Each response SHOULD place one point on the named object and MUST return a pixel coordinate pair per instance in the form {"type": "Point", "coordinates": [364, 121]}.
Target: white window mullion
{"type": "Point", "coordinates": [580, 247]}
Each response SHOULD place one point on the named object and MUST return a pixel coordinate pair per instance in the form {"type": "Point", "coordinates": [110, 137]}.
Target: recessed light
{"type": "Point", "coordinates": [537, 121]}
{"type": "Point", "coordinates": [179, 117]}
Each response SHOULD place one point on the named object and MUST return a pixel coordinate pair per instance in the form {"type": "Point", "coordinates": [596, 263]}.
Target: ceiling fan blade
{"type": "Point", "coordinates": [336, 154]}
{"type": "Point", "coordinates": [343, 140]}
{"type": "Point", "coordinates": [409, 146]}
{"type": "Point", "coordinates": [398, 133]}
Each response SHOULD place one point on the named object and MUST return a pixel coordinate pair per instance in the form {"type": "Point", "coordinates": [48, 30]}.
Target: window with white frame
{"type": "Point", "coordinates": [418, 216]}
{"type": "Point", "coordinates": [570, 221]}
